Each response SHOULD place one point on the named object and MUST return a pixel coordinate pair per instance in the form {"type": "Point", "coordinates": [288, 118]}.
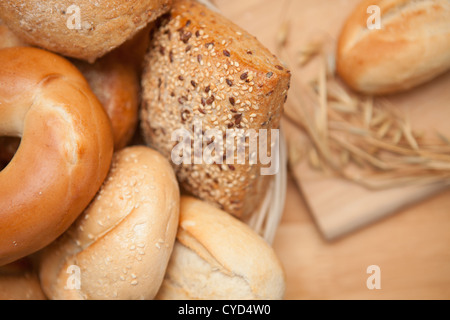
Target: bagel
{"type": "Point", "coordinates": [85, 30]}
{"type": "Point", "coordinates": [64, 154]}
{"type": "Point", "coordinates": [122, 243]}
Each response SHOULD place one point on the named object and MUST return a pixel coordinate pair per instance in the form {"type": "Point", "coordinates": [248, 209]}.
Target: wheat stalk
{"type": "Point", "coordinates": [347, 130]}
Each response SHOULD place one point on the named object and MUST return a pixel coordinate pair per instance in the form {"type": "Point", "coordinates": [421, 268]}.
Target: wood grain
{"type": "Point", "coordinates": [411, 247]}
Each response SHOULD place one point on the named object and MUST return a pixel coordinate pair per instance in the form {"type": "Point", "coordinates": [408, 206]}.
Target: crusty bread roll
{"type": "Point", "coordinates": [82, 29]}
{"type": "Point", "coordinates": [203, 68]}
{"type": "Point", "coordinates": [412, 46]}
{"type": "Point", "coordinates": [114, 79]}
{"type": "Point", "coordinates": [122, 243]}
{"type": "Point", "coordinates": [64, 155]}
{"type": "Point", "coordinates": [216, 256]}
{"type": "Point", "coordinates": [19, 281]}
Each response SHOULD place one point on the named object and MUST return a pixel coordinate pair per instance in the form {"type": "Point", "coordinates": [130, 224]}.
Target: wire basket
{"type": "Point", "coordinates": [266, 220]}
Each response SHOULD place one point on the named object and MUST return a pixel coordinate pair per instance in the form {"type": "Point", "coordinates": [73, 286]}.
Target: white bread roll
{"type": "Point", "coordinates": [123, 241]}
{"type": "Point", "coordinates": [216, 256]}
{"type": "Point", "coordinates": [412, 46]}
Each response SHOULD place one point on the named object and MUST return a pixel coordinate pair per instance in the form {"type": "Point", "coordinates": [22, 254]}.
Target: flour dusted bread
{"type": "Point", "coordinates": [412, 46]}
{"type": "Point", "coordinates": [122, 243]}
{"type": "Point", "coordinates": [202, 68]}
{"type": "Point", "coordinates": [216, 256]}
{"type": "Point", "coordinates": [81, 29]}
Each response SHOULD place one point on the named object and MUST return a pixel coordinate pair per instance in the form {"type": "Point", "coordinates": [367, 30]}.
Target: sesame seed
{"type": "Point", "coordinates": [229, 82]}
{"type": "Point", "coordinates": [244, 76]}
{"type": "Point", "coordinates": [226, 53]}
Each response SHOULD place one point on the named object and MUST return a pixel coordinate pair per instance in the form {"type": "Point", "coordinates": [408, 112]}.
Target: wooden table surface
{"type": "Point", "coordinates": [412, 247]}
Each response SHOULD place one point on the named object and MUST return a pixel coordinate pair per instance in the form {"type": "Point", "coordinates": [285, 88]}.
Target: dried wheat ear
{"type": "Point", "coordinates": [360, 138]}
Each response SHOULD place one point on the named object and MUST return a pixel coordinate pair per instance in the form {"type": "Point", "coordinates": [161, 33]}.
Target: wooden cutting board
{"type": "Point", "coordinates": [340, 206]}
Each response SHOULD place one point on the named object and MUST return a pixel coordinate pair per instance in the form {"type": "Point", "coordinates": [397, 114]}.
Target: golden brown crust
{"type": "Point", "coordinates": [216, 256]}
{"type": "Point", "coordinates": [65, 151]}
{"type": "Point", "coordinates": [114, 79]}
{"type": "Point", "coordinates": [412, 47]}
{"type": "Point", "coordinates": [201, 66]}
{"type": "Point", "coordinates": [19, 281]}
{"type": "Point", "coordinates": [104, 24]}
{"type": "Point", "coordinates": [123, 241]}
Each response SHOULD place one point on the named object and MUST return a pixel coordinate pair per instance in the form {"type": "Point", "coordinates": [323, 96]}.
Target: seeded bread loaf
{"type": "Point", "coordinates": [203, 68]}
